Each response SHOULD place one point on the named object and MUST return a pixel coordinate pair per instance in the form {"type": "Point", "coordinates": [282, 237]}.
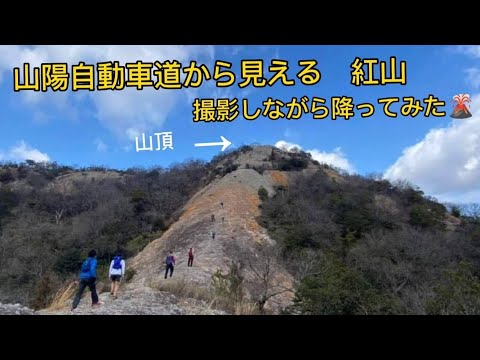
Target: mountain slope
{"type": "Point", "coordinates": [291, 231]}
{"type": "Point", "coordinates": [238, 231]}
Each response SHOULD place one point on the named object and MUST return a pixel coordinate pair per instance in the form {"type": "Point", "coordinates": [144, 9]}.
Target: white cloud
{"type": "Point", "coordinates": [235, 50]}
{"type": "Point", "coordinates": [101, 146]}
{"type": "Point", "coordinates": [446, 162]}
{"type": "Point", "coordinates": [472, 50]}
{"type": "Point", "coordinates": [123, 112]}
{"type": "Point", "coordinates": [22, 151]}
{"type": "Point", "coordinates": [335, 158]}
{"type": "Point", "coordinates": [274, 54]}
{"type": "Point", "coordinates": [473, 77]}
{"type": "Point", "coordinates": [288, 146]}
{"type": "Point", "coordinates": [222, 93]}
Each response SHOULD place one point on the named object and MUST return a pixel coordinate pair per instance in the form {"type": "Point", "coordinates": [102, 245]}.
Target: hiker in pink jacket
{"type": "Point", "coordinates": [190, 257]}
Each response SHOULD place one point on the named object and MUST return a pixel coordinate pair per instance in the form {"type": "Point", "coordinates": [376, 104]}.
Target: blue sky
{"type": "Point", "coordinates": [442, 155]}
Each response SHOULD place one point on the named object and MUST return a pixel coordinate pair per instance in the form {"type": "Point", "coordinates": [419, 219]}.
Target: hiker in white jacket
{"type": "Point", "coordinates": [116, 273]}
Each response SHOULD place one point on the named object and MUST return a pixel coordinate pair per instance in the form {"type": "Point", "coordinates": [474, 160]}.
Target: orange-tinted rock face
{"type": "Point", "coordinates": [239, 229]}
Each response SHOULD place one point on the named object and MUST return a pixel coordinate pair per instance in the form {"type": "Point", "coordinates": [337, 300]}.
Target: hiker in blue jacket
{"type": "Point", "coordinates": [88, 276]}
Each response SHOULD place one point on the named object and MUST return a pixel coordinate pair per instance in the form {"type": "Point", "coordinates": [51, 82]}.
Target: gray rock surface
{"type": "Point", "coordinates": [15, 309]}
{"type": "Point", "coordinates": [139, 301]}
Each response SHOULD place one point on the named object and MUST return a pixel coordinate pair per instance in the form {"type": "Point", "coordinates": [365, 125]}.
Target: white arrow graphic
{"type": "Point", "coordinates": [224, 142]}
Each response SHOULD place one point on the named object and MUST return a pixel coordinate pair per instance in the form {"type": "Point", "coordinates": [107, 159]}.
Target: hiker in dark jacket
{"type": "Point", "coordinates": [88, 276]}
{"type": "Point", "coordinates": [170, 263]}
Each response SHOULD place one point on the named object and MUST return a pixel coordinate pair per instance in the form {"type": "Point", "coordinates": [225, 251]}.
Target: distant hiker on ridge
{"type": "Point", "coordinates": [213, 235]}
{"type": "Point", "coordinates": [213, 217]}
{"type": "Point", "coordinates": [170, 263]}
{"type": "Point", "coordinates": [88, 276]}
{"type": "Point", "coordinates": [190, 257]}
{"type": "Point", "coordinates": [221, 204]}
{"type": "Point", "coordinates": [116, 273]}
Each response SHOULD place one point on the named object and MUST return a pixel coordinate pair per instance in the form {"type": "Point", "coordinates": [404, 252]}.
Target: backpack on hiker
{"type": "Point", "coordinates": [86, 265]}
{"type": "Point", "coordinates": [117, 262]}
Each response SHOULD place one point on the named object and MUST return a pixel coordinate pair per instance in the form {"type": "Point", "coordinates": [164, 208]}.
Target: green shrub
{"type": "Point", "coordinates": [455, 211]}
{"type": "Point", "coordinates": [458, 294]}
{"type": "Point", "coordinates": [340, 290]}
{"type": "Point", "coordinates": [8, 200]}
{"type": "Point", "coordinates": [292, 164]}
{"type": "Point", "coordinates": [229, 288]}
{"type": "Point", "coordinates": [129, 274]}
{"type": "Point", "coordinates": [6, 176]}
{"type": "Point", "coordinates": [159, 224]}
{"type": "Point", "coordinates": [421, 216]}
{"type": "Point", "coordinates": [263, 193]}
{"type": "Point", "coordinates": [134, 246]}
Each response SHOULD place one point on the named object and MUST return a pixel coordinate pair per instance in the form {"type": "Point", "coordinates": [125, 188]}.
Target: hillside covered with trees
{"type": "Point", "coordinates": [50, 215]}
{"type": "Point", "coordinates": [354, 244]}
{"type": "Point", "coordinates": [362, 245]}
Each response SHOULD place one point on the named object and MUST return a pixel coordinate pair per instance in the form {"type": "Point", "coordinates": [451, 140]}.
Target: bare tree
{"type": "Point", "coordinates": [263, 261]}
{"type": "Point", "coordinates": [402, 184]}
{"type": "Point", "coordinates": [471, 209]}
{"type": "Point", "coordinates": [375, 176]}
{"type": "Point", "coordinates": [304, 263]}
{"type": "Point", "coordinates": [58, 215]}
